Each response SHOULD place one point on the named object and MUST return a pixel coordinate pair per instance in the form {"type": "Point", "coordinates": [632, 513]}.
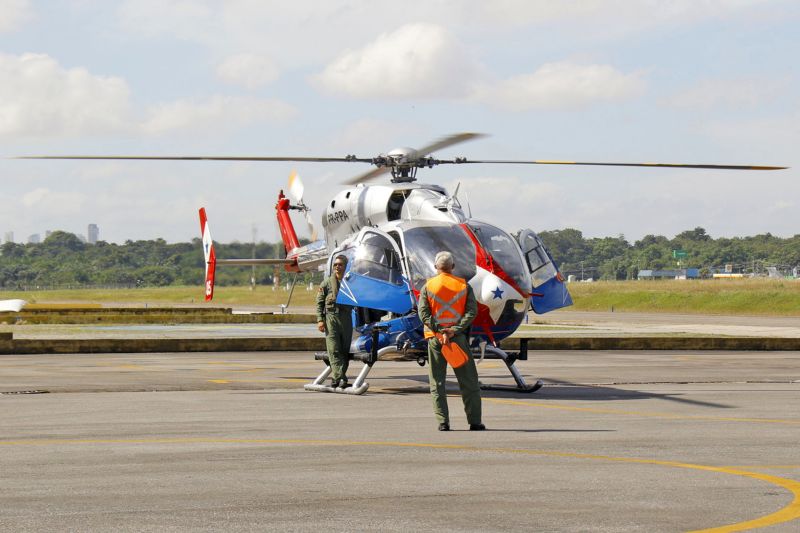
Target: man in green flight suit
{"type": "Point", "coordinates": [335, 320]}
{"type": "Point", "coordinates": [447, 307]}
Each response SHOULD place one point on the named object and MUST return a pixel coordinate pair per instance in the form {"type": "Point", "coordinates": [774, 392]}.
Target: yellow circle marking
{"type": "Point", "coordinates": [786, 514]}
{"type": "Point", "coordinates": [642, 413]}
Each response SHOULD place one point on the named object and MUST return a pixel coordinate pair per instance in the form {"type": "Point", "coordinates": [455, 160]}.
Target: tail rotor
{"type": "Point", "coordinates": [296, 190]}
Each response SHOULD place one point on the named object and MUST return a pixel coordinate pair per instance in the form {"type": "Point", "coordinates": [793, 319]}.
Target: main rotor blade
{"type": "Point", "coordinates": [663, 165]}
{"type": "Point", "coordinates": [374, 173]}
{"type": "Point", "coordinates": [348, 159]}
{"type": "Point", "coordinates": [444, 142]}
{"type": "Point", "coordinates": [450, 140]}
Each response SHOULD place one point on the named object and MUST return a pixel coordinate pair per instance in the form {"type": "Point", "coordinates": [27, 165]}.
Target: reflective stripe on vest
{"type": "Point", "coordinates": [447, 298]}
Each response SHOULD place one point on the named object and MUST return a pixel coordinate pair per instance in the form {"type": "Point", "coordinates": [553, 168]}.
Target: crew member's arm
{"type": "Point", "coordinates": [470, 312]}
{"type": "Point", "coordinates": [321, 293]}
{"type": "Point", "coordinates": [424, 311]}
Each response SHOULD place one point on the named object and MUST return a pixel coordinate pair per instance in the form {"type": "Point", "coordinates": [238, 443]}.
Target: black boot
{"type": "Point", "coordinates": [477, 427]}
{"type": "Point", "coordinates": [444, 426]}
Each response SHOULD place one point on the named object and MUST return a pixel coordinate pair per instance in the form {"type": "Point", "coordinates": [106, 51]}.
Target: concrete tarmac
{"type": "Point", "coordinates": [616, 441]}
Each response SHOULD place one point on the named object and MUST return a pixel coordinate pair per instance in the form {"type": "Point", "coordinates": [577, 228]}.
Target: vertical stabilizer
{"type": "Point", "coordinates": [208, 253]}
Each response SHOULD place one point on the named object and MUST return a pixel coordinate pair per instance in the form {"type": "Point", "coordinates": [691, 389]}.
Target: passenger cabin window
{"type": "Point", "coordinates": [395, 205]}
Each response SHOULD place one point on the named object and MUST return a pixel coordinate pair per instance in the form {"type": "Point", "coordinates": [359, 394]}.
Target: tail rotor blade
{"type": "Point", "coordinates": [296, 187]}
{"type": "Point", "coordinates": [311, 228]}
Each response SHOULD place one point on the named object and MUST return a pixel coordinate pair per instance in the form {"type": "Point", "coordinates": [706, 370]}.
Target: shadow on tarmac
{"type": "Point", "coordinates": [565, 390]}
{"type": "Point", "coordinates": [554, 390]}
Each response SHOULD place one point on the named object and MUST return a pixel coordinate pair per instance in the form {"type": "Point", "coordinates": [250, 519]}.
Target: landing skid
{"type": "Point", "coordinates": [510, 360]}
{"type": "Point", "coordinates": [358, 388]}
{"type": "Point", "coordinates": [360, 385]}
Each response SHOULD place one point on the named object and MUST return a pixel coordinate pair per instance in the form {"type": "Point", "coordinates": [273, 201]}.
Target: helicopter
{"type": "Point", "coordinates": [390, 234]}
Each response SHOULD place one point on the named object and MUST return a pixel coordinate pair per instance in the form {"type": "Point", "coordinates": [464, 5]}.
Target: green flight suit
{"type": "Point", "coordinates": [338, 327]}
{"type": "Point", "coordinates": [466, 374]}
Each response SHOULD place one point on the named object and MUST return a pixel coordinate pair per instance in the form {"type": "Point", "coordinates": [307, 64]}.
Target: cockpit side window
{"type": "Point", "coordinates": [541, 268]}
{"type": "Point", "coordinates": [375, 257]}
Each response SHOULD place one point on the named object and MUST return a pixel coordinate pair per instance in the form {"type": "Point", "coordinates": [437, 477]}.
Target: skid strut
{"type": "Point", "coordinates": [360, 385]}
{"type": "Point", "coordinates": [510, 360]}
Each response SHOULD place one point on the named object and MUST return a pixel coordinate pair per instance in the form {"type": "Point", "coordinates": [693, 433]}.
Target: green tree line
{"type": "Point", "coordinates": [615, 258]}
{"type": "Point", "coordinates": [63, 260]}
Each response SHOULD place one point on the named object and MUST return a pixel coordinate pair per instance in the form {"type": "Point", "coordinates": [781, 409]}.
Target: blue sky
{"type": "Point", "coordinates": [684, 81]}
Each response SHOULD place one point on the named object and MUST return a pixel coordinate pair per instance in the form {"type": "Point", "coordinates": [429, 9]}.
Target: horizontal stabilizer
{"type": "Point", "coordinates": [12, 305]}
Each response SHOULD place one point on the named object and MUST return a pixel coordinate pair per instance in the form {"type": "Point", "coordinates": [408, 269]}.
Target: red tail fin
{"type": "Point", "coordinates": [208, 253]}
{"type": "Point", "coordinates": [288, 234]}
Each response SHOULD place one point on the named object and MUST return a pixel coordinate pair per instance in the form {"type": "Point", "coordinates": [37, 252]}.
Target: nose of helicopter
{"type": "Point", "coordinates": [493, 292]}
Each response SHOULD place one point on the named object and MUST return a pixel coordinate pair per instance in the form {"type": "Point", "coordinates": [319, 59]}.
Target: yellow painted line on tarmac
{"type": "Point", "coordinates": [280, 380]}
{"type": "Point", "coordinates": [766, 467]}
{"type": "Point", "coordinates": [265, 366]}
{"type": "Point", "coordinates": [642, 413]}
{"type": "Point", "coordinates": [786, 514]}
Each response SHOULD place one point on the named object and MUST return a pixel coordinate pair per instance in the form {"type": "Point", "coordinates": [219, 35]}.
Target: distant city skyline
{"type": "Point", "coordinates": [92, 235]}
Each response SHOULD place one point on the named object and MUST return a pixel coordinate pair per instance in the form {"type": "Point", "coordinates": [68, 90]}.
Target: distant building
{"type": "Point", "coordinates": [34, 239]}
{"type": "Point", "coordinates": [683, 273]}
{"type": "Point", "coordinates": [93, 234]}
{"type": "Point", "coordinates": [9, 236]}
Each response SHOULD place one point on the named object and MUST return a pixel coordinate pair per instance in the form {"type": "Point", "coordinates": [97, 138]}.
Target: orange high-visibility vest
{"type": "Point", "coordinates": [447, 298]}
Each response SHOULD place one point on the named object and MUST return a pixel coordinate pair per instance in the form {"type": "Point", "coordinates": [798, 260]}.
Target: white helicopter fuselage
{"type": "Point", "coordinates": [377, 205]}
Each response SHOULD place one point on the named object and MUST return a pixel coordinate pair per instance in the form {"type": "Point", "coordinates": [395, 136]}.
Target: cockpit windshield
{"type": "Point", "coordinates": [505, 251]}
{"type": "Point", "coordinates": [424, 242]}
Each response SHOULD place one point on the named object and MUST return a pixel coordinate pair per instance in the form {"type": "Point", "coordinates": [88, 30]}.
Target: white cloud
{"type": "Point", "coordinates": [562, 85]}
{"type": "Point", "coordinates": [414, 61]}
{"type": "Point", "coordinates": [707, 94]}
{"type": "Point", "coordinates": [378, 135]}
{"type": "Point", "coordinates": [748, 136]}
{"type": "Point", "coordinates": [248, 70]}
{"type": "Point", "coordinates": [217, 112]}
{"type": "Point", "coordinates": [184, 19]}
{"type": "Point", "coordinates": [53, 203]}
{"type": "Point", "coordinates": [607, 16]}
{"type": "Point", "coordinates": [38, 97]}
{"type": "Point", "coordinates": [13, 14]}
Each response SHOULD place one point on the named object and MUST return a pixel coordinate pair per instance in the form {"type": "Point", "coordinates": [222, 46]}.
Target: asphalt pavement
{"type": "Point", "coordinates": [615, 441]}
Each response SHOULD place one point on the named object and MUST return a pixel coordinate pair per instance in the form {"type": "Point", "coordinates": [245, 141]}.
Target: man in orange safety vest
{"type": "Point", "coordinates": [447, 307]}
